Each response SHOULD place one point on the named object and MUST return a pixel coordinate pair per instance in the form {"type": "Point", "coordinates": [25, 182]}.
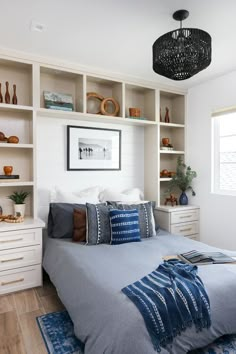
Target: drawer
{"type": "Point", "coordinates": [185, 229]}
{"type": "Point", "coordinates": [20, 257]}
{"type": "Point", "coordinates": [19, 279]}
{"type": "Point", "coordinates": [21, 238]}
{"type": "Point", "coordinates": [184, 216]}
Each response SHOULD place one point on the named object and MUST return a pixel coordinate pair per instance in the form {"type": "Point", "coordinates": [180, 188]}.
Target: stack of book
{"type": "Point", "coordinates": [196, 257]}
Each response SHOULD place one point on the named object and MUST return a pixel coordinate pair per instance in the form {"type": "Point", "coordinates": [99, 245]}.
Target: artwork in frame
{"type": "Point", "coordinates": [93, 148]}
{"type": "Point", "coordinates": [59, 101]}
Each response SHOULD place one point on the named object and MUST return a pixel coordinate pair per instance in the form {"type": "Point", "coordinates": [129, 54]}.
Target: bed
{"type": "Point", "coordinates": [89, 280]}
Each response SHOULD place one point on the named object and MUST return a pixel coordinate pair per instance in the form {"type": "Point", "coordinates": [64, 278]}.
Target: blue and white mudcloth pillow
{"type": "Point", "coordinates": [170, 299]}
{"type": "Point", "coordinates": [124, 226]}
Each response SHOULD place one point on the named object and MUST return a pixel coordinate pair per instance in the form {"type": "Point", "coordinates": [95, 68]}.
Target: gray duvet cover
{"type": "Point", "coordinates": [89, 280]}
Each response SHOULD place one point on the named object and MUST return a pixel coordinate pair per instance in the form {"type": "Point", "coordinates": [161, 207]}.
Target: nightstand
{"type": "Point", "coordinates": [20, 255]}
{"type": "Point", "coordinates": [179, 220]}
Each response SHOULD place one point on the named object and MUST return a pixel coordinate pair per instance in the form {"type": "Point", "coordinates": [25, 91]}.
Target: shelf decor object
{"type": "Point", "coordinates": [94, 99]}
{"type": "Point", "coordinates": [93, 148]}
{"type": "Point", "coordinates": [7, 94]}
{"type": "Point", "coordinates": [59, 101]}
{"type": "Point", "coordinates": [9, 176]}
{"type": "Point", "coordinates": [14, 97]}
{"type": "Point", "coordinates": [182, 53]}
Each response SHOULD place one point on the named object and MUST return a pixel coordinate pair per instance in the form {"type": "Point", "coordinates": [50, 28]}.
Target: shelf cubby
{"type": "Point", "coordinates": [7, 204]}
{"type": "Point", "coordinates": [176, 105]}
{"type": "Point", "coordinates": [20, 74]}
{"type": "Point", "coordinates": [21, 161]}
{"type": "Point", "coordinates": [175, 134]}
{"type": "Point", "coordinates": [18, 123]}
{"type": "Point", "coordinates": [140, 97]}
{"type": "Point", "coordinates": [105, 88]}
{"type": "Point", "coordinates": [64, 82]}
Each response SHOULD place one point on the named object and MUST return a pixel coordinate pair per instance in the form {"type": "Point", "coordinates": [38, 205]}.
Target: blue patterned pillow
{"type": "Point", "coordinates": [124, 226]}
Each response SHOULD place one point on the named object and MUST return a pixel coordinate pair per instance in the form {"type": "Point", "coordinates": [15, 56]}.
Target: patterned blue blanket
{"type": "Point", "coordinates": [170, 299]}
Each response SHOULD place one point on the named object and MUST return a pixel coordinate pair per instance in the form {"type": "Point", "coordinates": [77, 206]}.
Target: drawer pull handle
{"type": "Point", "coordinates": [185, 216]}
{"type": "Point", "coordinates": [15, 240]}
{"type": "Point", "coordinates": [12, 259]}
{"type": "Point", "coordinates": [12, 281]}
{"type": "Point", "coordinates": [189, 229]}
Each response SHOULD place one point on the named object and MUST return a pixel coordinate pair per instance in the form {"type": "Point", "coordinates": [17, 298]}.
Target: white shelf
{"type": "Point", "coordinates": [16, 146]}
{"type": "Point", "coordinates": [44, 112]}
{"type": "Point", "coordinates": [28, 223]}
{"type": "Point", "coordinates": [165, 179]}
{"type": "Point", "coordinates": [15, 107]}
{"type": "Point", "coordinates": [172, 152]}
{"type": "Point", "coordinates": [16, 184]}
{"type": "Point", "coordinates": [171, 125]}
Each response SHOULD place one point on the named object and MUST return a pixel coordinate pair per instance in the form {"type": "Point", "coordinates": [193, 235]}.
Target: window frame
{"type": "Point", "coordinates": [215, 153]}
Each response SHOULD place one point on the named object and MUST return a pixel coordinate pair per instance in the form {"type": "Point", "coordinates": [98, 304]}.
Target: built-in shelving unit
{"type": "Point", "coordinates": [17, 120]}
{"type": "Point", "coordinates": [33, 79]}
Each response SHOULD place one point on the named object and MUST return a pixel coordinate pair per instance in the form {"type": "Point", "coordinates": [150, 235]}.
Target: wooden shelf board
{"type": "Point", "coordinates": [16, 146]}
{"type": "Point", "coordinates": [44, 112]}
{"type": "Point", "coordinates": [15, 107]}
{"type": "Point", "coordinates": [172, 152]}
{"type": "Point", "coordinates": [16, 184]}
{"type": "Point", "coordinates": [171, 125]}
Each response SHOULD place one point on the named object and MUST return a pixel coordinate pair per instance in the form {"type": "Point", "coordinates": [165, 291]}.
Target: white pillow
{"type": "Point", "coordinates": [131, 195]}
{"type": "Point", "coordinates": [89, 195]}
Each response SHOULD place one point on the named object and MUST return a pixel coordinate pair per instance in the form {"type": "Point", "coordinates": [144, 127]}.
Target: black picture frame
{"type": "Point", "coordinates": [93, 149]}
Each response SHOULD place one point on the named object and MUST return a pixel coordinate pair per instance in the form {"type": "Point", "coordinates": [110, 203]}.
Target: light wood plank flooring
{"type": "Point", "coordinates": [19, 332]}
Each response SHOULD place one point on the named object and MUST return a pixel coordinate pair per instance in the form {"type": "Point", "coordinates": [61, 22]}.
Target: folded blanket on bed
{"type": "Point", "coordinates": [170, 299]}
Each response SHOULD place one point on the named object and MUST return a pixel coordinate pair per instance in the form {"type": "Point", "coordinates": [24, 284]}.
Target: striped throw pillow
{"type": "Point", "coordinates": [124, 226]}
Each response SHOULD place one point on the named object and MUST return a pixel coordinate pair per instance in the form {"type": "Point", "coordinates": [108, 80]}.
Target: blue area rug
{"type": "Point", "coordinates": [58, 334]}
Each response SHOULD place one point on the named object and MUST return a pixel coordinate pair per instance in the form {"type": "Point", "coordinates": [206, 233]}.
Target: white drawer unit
{"type": "Point", "coordinates": [20, 255]}
{"type": "Point", "coordinates": [179, 220]}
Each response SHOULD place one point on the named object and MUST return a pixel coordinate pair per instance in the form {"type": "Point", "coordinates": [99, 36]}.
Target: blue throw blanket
{"type": "Point", "coordinates": [170, 299]}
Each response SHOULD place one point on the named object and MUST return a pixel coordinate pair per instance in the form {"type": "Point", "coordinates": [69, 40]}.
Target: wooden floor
{"type": "Point", "coordinates": [19, 332]}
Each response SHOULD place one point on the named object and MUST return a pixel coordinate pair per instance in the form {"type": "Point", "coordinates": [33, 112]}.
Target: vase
{"type": "Point", "coordinates": [7, 94]}
{"type": "Point", "coordinates": [1, 98]}
{"type": "Point", "coordinates": [183, 199]}
{"type": "Point", "coordinates": [19, 210]}
{"type": "Point", "coordinates": [8, 170]}
{"type": "Point", "coordinates": [167, 117]}
{"type": "Point", "coordinates": [14, 97]}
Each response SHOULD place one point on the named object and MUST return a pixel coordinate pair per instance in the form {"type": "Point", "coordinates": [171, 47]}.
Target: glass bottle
{"type": "Point", "coordinates": [14, 97]}
{"type": "Point", "coordinates": [7, 94]}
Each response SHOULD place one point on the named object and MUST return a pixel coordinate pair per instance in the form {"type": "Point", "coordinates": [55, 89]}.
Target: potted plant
{"type": "Point", "coordinates": [19, 199]}
{"type": "Point", "coordinates": [183, 180]}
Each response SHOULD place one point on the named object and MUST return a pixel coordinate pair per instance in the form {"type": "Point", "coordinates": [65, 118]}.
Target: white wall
{"type": "Point", "coordinates": [51, 161]}
{"type": "Point", "coordinates": [217, 211]}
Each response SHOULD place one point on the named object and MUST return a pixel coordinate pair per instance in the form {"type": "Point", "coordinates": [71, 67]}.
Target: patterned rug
{"type": "Point", "coordinates": [58, 334]}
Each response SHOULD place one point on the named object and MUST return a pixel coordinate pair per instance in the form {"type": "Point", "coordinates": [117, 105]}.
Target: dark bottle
{"type": "Point", "coordinates": [14, 97]}
{"type": "Point", "coordinates": [167, 118]}
{"type": "Point", "coordinates": [7, 94]}
{"type": "Point", "coordinates": [1, 98]}
{"type": "Point", "coordinates": [160, 116]}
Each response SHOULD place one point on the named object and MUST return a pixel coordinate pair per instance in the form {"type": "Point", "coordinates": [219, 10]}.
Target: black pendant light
{"type": "Point", "coordinates": [181, 53]}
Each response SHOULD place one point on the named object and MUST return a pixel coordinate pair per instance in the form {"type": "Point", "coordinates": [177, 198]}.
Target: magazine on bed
{"type": "Point", "coordinates": [196, 257]}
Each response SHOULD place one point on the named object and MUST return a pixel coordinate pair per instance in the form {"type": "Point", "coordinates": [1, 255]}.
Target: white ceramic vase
{"type": "Point", "coordinates": [19, 210]}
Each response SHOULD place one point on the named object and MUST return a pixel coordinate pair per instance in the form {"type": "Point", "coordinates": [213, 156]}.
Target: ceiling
{"type": "Point", "coordinates": [117, 35]}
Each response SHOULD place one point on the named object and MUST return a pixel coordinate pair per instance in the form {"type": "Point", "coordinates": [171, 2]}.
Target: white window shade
{"type": "Point", "coordinates": [224, 153]}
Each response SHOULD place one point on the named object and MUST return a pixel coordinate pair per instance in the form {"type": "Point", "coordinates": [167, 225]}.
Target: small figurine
{"type": "Point", "coordinates": [171, 199]}
{"type": "Point", "coordinates": [167, 118]}
{"type": "Point", "coordinates": [14, 97]}
{"type": "Point", "coordinates": [7, 94]}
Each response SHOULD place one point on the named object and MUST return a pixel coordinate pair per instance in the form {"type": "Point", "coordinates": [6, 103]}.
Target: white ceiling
{"type": "Point", "coordinates": [117, 35]}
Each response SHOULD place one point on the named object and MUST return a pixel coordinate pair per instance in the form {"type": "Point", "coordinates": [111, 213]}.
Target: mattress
{"type": "Point", "coordinates": [89, 280]}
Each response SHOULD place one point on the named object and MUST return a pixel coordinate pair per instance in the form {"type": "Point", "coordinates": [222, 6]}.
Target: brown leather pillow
{"type": "Point", "coordinates": [79, 233]}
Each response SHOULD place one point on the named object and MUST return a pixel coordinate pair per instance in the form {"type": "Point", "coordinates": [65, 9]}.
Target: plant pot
{"type": "Point", "coordinates": [19, 210]}
{"type": "Point", "coordinates": [183, 199]}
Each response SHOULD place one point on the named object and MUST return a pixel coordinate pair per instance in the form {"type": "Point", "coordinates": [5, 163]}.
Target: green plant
{"type": "Point", "coordinates": [19, 197]}
{"type": "Point", "coordinates": [183, 177]}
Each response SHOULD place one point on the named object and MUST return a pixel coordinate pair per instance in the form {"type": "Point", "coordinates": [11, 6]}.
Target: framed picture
{"type": "Point", "coordinates": [93, 148]}
{"type": "Point", "coordinates": [59, 101]}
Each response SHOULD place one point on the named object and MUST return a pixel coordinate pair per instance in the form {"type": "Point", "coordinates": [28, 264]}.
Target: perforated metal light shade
{"type": "Point", "coordinates": [182, 53]}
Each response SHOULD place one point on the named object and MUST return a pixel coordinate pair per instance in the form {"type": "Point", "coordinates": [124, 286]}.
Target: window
{"type": "Point", "coordinates": [224, 153]}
